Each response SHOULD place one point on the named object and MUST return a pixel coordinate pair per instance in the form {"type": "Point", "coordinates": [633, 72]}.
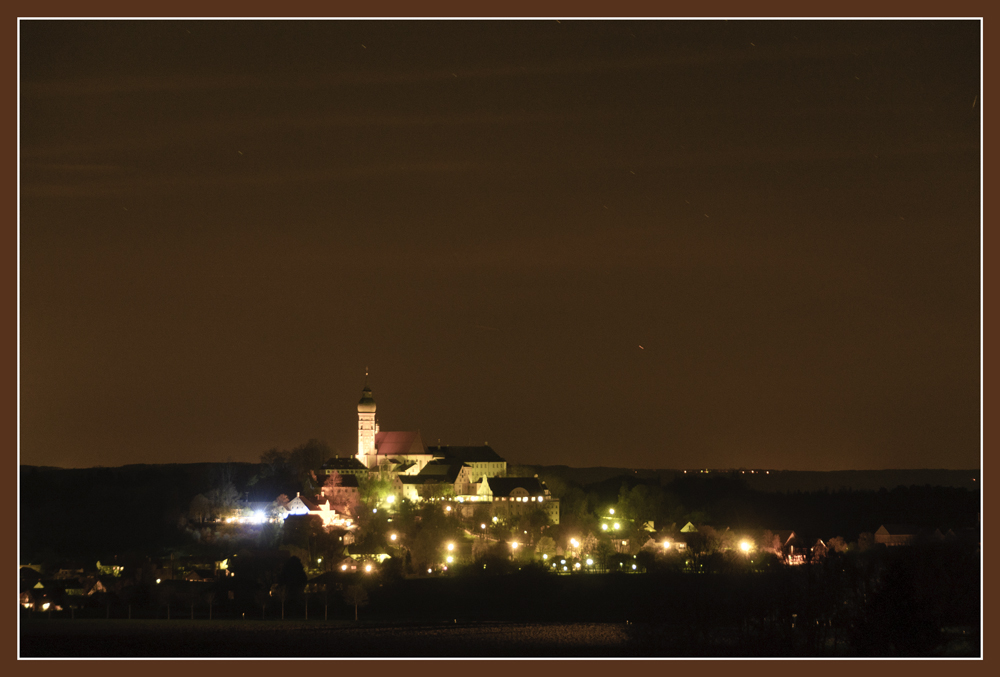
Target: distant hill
{"type": "Point", "coordinates": [783, 480]}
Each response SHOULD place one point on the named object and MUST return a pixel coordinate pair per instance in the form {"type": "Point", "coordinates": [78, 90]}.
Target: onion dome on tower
{"type": "Point", "coordinates": [367, 403]}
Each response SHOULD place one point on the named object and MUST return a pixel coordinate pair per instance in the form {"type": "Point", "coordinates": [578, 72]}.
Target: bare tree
{"type": "Point", "coordinates": [356, 595]}
{"type": "Point", "coordinates": [200, 508]}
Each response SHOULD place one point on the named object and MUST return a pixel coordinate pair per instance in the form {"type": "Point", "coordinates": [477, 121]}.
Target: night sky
{"type": "Point", "coordinates": [652, 244]}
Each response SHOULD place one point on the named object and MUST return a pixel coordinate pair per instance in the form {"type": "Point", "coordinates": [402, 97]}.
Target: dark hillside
{"type": "Point", "coordinates": [96, 512]}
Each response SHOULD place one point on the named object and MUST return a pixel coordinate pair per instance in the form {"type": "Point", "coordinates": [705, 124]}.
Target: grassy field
{"type": "Point", "coordinates": [185, 638]}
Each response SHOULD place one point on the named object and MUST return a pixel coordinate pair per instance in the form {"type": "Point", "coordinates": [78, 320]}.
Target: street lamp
{"type": "Point", "coordinates": [451, 546]}
{"type": "Point", "coordinates": [745, 545]}
{"type": "Point", "coordinates": [392, 537]}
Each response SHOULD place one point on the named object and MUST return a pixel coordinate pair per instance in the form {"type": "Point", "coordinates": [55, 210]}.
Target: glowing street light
{"type": "Point", "coordinates": [368, 568]}
{"type": "Point", "coordinates": [451, 546]}
{"type": "Point", "coordinates": [514, 545]}
{"type": "Point", "coordinates": [390, 499]}
{"type": "Point", "coordinates": [617, 526]}
{"type": "Point", "coordinates": [612, 511]}
{"type": "Point", "coordinates": [392, 537]}
{"type": "Point", "coordinates": [666, 545]}
{"type": "Point", "coordinates": [482, 526]}
{"type": "Point", "coordinates": [343, 567]}
{"type": "Point", "coordinates": [745, 545]}
{"type": "Point", "coordinates": [576, 543]}
{"type": "Point", "coordinates": [604, 527]}
{"type": "Point", "coordinates": [449, 559]}
{"type": "Point", "coordinates": [590, 562]}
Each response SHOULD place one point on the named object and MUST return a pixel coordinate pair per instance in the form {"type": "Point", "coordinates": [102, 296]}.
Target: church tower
{"type": "Point", "coordinates": [366, 427]}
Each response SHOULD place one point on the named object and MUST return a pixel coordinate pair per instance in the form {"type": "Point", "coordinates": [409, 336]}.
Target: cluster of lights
{"type": "Point", "coordinates": [258, 517]}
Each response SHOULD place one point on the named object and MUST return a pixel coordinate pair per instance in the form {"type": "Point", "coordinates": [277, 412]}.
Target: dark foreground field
{"type": "Point", "coordinates": [340, 639]}
{"type": "Point", "coordinates": [197, 639]}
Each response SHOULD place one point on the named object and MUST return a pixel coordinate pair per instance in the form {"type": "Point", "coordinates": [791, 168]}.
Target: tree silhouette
{"type": "Point", "coordinates": [357, 596]}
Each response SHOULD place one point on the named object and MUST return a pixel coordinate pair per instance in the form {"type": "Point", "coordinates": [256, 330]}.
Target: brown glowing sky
{"type": "Point", "coordinates": [223, 223]}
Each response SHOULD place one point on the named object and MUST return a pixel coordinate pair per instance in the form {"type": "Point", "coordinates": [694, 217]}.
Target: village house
{"type": "Point", "coordinates": [896, 534]}
{"type": "Point", "coordinates": [300, 505]}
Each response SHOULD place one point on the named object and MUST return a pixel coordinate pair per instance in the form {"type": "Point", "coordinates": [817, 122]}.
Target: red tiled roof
{"type": "Point", "coordinates": [399, 443]}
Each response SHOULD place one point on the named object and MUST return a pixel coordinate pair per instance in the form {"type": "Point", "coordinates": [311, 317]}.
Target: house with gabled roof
{"type": "Point", "coordinates": [896, 534]}
{"type": "Point", "coordinates": [300, 505]}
